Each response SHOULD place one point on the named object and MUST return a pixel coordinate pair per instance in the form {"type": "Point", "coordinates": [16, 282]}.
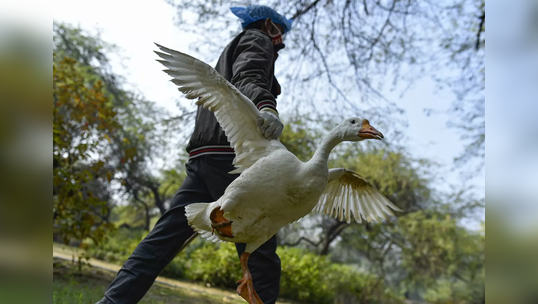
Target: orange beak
{"type": "Point", "coordinates": [369, 132]}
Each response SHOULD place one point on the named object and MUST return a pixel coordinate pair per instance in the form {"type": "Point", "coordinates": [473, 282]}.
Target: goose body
{"type": "Point", "coordinates": [259, 205]}
{"type": "Point", "coordinates": [275, 188]}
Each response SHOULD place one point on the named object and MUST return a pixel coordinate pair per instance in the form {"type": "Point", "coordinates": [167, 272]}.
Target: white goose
{"type": "Point", "coordinates": [275, 188]}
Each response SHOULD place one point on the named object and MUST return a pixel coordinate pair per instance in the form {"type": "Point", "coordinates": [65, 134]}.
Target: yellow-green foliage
{"type": "Point", "coordinates": [306, 276]}
{"type": "Point", "coordinates": [83, 121]}
{"type": "Point", "coordinates": [436, 246]}
{"type": "Point", "coordinates": [452, 292]}
{"type": "Point", "coordinates": [118, 247]}
{"type": "Point", "coordinates": [311, 278]}
{"type": "Point", "coordinates": [215, 264]}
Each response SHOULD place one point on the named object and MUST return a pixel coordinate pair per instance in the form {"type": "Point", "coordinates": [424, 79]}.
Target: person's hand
{"type": "Point", "coordinates": [269, 124]}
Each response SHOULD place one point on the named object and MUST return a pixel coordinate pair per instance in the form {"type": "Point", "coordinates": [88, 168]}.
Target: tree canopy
{"type": "Point", "coordinates": [341, 55]}
{"type": "Point", "coordinates": [83, 120]}
{"type": "Point", "coordinates": [122, 144]}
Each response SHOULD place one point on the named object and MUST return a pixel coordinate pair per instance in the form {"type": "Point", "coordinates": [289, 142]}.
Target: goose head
{"type": "Point", "coordinates": [357, 129]}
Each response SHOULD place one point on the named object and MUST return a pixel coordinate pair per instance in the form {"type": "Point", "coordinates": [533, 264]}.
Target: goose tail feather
{"type": "Point", "coordinates": [192, 210]}
{"type": "Point", "coordinates": [198, 217]}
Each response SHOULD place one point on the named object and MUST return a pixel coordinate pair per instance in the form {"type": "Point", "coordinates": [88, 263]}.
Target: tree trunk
{"type": "Point", "coordinates": [146, 209]}
{"type": "Point", "coordinates": [148, 217]}
{"type": "Point", "coordinates": [331, 235]}
{"type": "Point", "coordinates": [159, 202]}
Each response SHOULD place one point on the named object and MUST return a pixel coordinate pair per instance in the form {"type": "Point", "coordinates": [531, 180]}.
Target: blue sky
{"type": "Point", "coordinates": [135, 25]}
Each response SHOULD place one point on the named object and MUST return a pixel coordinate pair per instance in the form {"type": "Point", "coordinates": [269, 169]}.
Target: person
{"type": "Point", "coordinates": [248, 63]}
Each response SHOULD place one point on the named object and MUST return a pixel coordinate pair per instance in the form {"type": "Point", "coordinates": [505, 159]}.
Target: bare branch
{"type": "Point", "coordinates": [299, 13]}
{"type": "Point", "coordinates": [480, 27]}
{"type": "Point", "coordinates": [376, 39]}
{"type": "Point", "coordinates": [315, 245]}
{"type": "Point", "coordinates": [365, 7]}
{"type": "Point", "coordinates": [326, 67]}
{"type": "Point", "coordinates": [331, 235]}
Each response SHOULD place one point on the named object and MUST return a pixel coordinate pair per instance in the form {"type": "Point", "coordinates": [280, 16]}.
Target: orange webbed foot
{"type": "Point", "coordinates": [249, 294]}
{"type": "Point", "coordinates": [220, 223]}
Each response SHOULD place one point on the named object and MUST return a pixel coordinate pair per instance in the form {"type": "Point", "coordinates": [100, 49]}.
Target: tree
{"type": "Point", "coordinates": [466, 46]}
{"type": "Point", "coordinates": [146, 131]}
{"type": "Point", "coordinates": [435, 250]}
{"type": "Point", "coordinates": [83, 122]}
{"type": "Point", "coordinates": [155, 191]}
{"type": "Point", "coordinates": [342, 54]}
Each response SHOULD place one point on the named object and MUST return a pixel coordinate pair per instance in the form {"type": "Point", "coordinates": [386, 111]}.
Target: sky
{"type": "Point", "coordinates": [135, 25]}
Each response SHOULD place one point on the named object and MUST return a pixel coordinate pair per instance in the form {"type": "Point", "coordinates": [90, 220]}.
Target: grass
{"type": "Point", "coordinates": [88, 287]}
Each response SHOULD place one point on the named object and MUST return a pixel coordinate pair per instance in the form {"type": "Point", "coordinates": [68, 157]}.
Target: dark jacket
{"type": "Point", "coordinates": [248, 63]}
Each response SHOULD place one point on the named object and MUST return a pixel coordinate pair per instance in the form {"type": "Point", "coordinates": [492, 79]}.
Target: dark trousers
{"type": "Point", "coordinates": [207, 178]}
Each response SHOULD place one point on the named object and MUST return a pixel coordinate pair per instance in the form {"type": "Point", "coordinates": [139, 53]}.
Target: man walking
{"type": "Point", "coordinates": [248, 63]}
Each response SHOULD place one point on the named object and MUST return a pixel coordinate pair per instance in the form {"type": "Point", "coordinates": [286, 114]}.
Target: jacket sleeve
{"type": "Point", "coordinates": [253, 69]}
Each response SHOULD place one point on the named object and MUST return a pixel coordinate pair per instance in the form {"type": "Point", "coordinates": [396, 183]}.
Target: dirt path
{"type": "Point", "coordinates": [65, 253]}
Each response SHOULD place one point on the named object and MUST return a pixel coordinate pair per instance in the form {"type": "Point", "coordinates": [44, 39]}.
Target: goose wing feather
{"type": "Point", "coordinates": [349, 195]}
{"type": "Point", "coordinates": [235, 112]}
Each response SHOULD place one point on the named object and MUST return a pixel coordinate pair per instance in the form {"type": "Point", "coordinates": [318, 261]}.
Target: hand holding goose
{"type": "Point", "coordinates": [275, 187]}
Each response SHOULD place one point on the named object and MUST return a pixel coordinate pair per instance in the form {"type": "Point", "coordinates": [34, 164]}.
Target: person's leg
{"type": "Point", "coordinates": [264, 263]}
{"type": "Point", "coordinates": [160, 246]}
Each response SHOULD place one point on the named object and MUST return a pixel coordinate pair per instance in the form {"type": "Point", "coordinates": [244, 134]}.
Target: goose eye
{"type": "Point", "coordinates": [353, 121]}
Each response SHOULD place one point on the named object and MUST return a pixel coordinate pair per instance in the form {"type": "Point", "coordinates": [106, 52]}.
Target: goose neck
{"type": "Point", "coordinates": [326, 146]}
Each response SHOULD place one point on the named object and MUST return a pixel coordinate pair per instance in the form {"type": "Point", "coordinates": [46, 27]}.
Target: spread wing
{"type": "Point", "coordinates": [235, 113]}
{"type": "Point", "coordinates": [349, 195]}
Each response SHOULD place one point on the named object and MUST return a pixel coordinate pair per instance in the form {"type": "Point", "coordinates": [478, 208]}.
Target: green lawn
{"type": "Point", "coordinates": [71, 287]}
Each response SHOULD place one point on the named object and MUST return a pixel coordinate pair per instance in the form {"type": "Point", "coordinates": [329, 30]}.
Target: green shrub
{"type": "Point", "coordinates": [306, 277]}
{"type": "Point", "coordinates": [118, 245]}
{"type": "Point", "coordinates": [453, 292]}
{"type": "Point", "coordinates": [310, 278]}
{"type": "Point", "coordinates": [176, 268]}
{"type": "Point", "coordinates": [351, 286]}
{"type": "Point", "coordinates": [216, 264]}
{"type": "Point", "coordinates": [303, 276]}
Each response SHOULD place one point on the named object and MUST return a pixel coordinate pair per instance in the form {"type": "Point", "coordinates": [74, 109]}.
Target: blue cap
{"type": "Point", "coordinates": [254, 13]}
